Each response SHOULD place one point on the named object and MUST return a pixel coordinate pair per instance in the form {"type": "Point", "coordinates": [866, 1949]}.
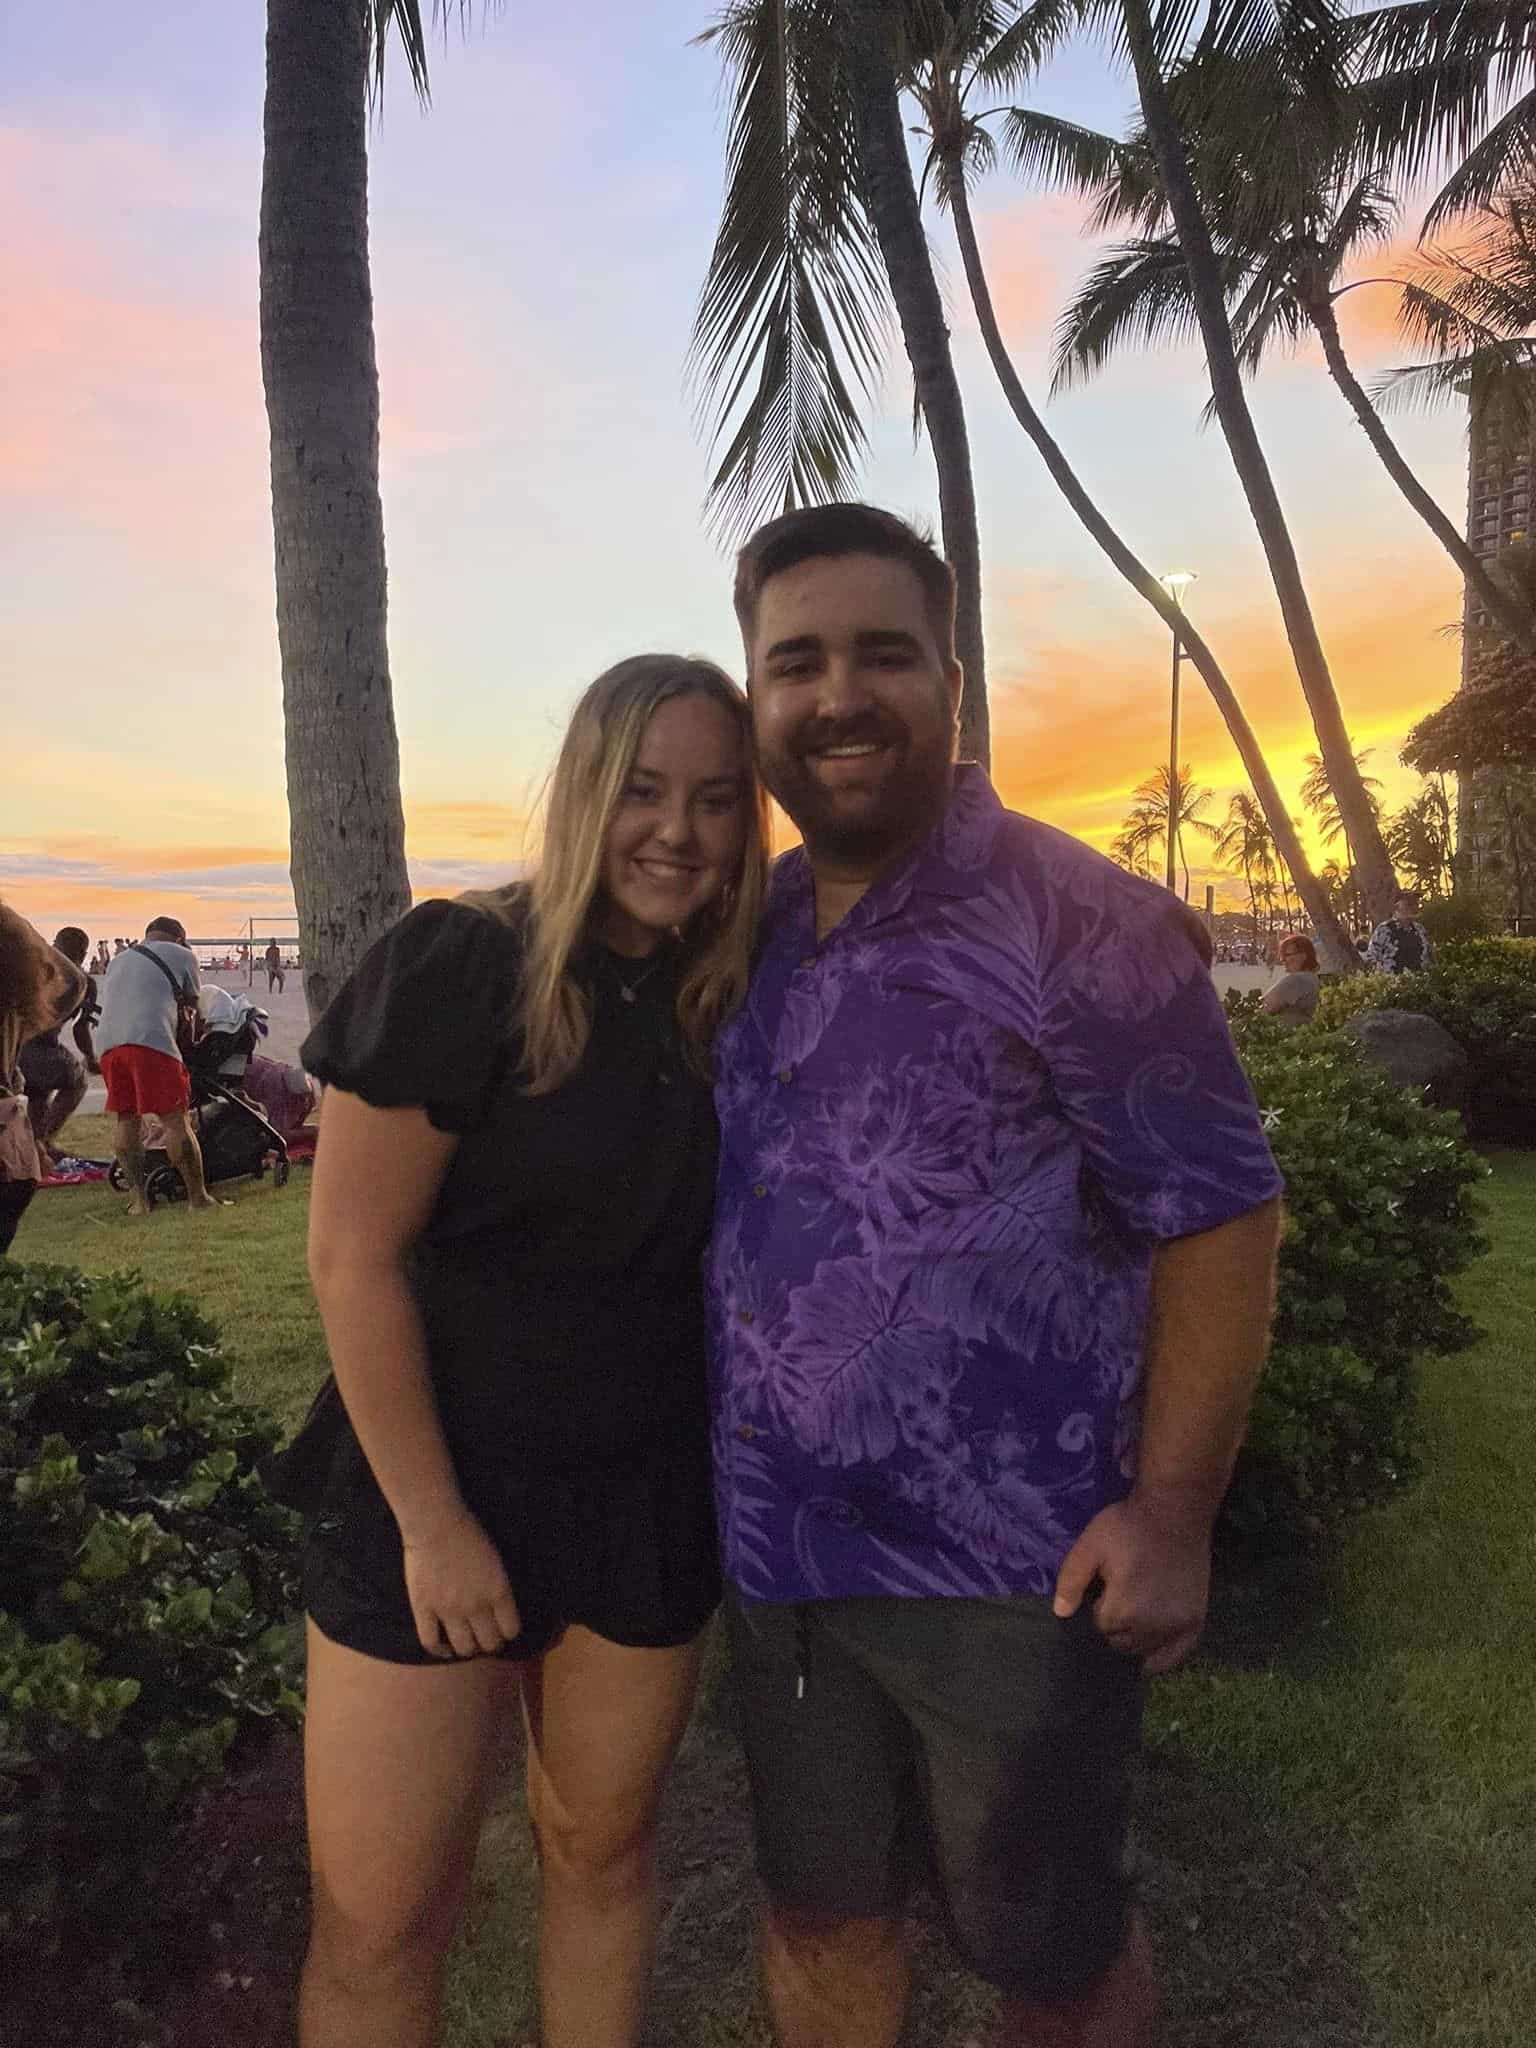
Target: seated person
{"type": "Point", "coordinates": [1295, 996]}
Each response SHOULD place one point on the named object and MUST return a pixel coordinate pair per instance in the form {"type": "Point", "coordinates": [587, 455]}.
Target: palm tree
{"type": "Point", "coordinates": [1420, 840]}
{"type": "Point", "coordinates": [1244, 841]}
{"type": "Point", "coordinates": [1317, 794]}
{"type": "Point", "coordinates": [1449, 80]}
{"type": "Point", "coordinates": [820, 233]}
{"type": "Point", "coordinates": [1150, 814]}
{"type": "Point", "coordinates": [1284, 242]}
{"type": "Point", "coordinates": [317, 356]}
{"type": "Point", "coordinates": [1167, 146]}
{"type": "Point", "coordinates": [950, 50]}
{"type": "Point", "coordinates": [1140, 832]}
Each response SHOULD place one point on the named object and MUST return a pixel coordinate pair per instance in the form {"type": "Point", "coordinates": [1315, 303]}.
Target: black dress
{"type": "Point", "coordinates": [560, 1287]}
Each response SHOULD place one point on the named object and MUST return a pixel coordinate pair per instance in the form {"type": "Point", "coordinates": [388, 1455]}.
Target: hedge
{"type": "Point", "coordinates": [146, 1609]}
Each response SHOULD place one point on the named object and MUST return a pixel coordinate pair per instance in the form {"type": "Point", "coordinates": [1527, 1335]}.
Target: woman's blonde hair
{"type": "Point", "coordinates": [555, 905]}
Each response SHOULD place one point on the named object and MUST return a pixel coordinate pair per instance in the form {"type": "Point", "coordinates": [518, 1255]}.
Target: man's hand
{"type": "Point", "coordinates": [1156, 1569]}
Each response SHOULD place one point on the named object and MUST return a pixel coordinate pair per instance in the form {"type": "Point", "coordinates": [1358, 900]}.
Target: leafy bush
{"type": "Point", "coordinates": [1450, 920]}
{"type": "Point", "coordinates": [1380, 1216]}
{"type": "Point", "coordinates": [149, 1581]}
{"type": "Point", "coordinates": [1483, 992]}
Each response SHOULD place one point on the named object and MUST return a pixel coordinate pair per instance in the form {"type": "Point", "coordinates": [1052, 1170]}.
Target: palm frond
{"type": "Point", "coordinates": [1139, 293]}
{"type": "Point", "coordinates": [1506, 152]}
{"type": "Point", "coordinates": [403, 19]}
{"type": "Point", "coordinates": [789, 337]}
{"type": "Point", "coordinates": [1028, 42]}
{"type": "Point", "coordinates": [1053, 152]}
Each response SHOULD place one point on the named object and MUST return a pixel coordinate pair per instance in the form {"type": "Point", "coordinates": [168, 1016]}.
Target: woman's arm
{"type": "Point", "coordinates": [377, 1176]}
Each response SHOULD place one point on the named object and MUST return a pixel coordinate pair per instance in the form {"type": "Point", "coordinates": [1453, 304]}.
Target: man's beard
{"type": "Point", "coordinates": [914, 790]}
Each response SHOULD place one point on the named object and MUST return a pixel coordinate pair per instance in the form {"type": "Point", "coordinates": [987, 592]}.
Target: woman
{"type": "Point", "coordinates": [39, 990]}
{"type": "Point", "coordinates": [512, 1495]}
{"type": "Point", "coordinates": [1295, 996]}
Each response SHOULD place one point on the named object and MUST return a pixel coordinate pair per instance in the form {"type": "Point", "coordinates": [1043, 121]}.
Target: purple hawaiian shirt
{"type": "Point", "coordinates": [953, 1133]}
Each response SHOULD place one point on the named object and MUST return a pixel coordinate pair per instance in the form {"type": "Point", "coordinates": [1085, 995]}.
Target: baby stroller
{"type": "Point", "coordinates": [236, 1139]}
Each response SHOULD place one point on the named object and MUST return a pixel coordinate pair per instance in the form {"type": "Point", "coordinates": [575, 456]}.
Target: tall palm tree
{"type": "Point", "coordinates": [951, 48]}
{"type": "Point", "coordinates": [820, 236]}
{"type": "Point", "coordinates": [1285, 243]}
{"type": "Point", "coordinates": [1167, 146]}
{"type": "Point", "coordinates": [1421, 841]}
{"type": "Point", "coordinates": [347, 829]}
{"type": "Point", "coordinates": [1150, 814]}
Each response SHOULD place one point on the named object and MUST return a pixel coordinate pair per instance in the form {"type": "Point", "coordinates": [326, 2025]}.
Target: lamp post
{"type": "Point", "coordinates": [1176, 583]}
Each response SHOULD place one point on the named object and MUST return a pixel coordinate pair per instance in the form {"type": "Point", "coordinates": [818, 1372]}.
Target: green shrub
{"type": "Point", "coordinates": [1449, 919]}
{"type": "Point", "coordinates": [1379, 1216]}
{"type": "Point", "coordinates": [1483, 992]}
{"type": "Point", "coordinates": [148, 1588]}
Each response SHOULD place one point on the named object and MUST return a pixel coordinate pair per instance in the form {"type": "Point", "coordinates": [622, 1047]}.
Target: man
{"type": "Point", "coordinates": [55, 1073]}
{"type": "Point", "coordinates": [1401, 945]}
{"type": "Point", "coordinates": [140, 1000]}
{"type": "Point", "coordinates": [274, 964]}
{"type": "Point", "coordinates": [991, 1285]}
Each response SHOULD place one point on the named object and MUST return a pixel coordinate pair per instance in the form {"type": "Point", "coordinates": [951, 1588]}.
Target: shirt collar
{"type": "Point", "coordinates": [951, 861]}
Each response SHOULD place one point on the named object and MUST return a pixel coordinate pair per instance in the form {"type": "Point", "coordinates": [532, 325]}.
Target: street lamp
{"type": "Point", "coordinates": [1176, 583]}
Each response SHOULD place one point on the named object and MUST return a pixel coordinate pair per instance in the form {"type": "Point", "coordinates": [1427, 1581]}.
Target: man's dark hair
{"type": "Point", "coordinates": [73, 943]}
{"type": "Point", "coordinates": [823, 533]}
{"type": "Point", "coordinates": [167, 928]}
{"type": "Point", "coordinates": [1407, 896]}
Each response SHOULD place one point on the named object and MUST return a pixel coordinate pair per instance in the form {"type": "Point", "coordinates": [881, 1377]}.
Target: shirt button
{"type": "Point", "coordinates": [786, 1074]}
{"type": "Point", "coordinates": [809, 960]}
{"type": "Point", "coordinates": [746, 1432]}
{"type": "Point", "coordinates": [745, 1316]}
{"type": "Point", "coordinates": [760, 1191]}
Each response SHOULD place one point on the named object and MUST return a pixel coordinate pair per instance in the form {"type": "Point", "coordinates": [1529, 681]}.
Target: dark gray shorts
{"type": "Point", "coordinates": [982, 1744]}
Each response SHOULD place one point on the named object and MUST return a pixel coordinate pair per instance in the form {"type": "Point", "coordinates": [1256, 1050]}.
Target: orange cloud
{"type": "Point", "coordinates": [1035, 251]}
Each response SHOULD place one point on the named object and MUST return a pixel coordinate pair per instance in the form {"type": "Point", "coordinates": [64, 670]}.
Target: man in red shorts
{"type": "Point", "coordinates": [144, 1070]}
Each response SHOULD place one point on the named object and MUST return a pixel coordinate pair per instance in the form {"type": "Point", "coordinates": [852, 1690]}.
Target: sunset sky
{"type": "Point", "coordinates": [538, 242]}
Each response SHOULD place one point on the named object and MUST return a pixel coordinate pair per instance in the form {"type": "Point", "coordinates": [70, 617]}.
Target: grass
{"type": "Point", "coordinates": [1339, 1807]}
{"type": "Point", "coordinates": [244, 1265]}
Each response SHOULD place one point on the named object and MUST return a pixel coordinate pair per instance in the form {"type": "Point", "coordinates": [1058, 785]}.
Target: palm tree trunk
{"type": "Point", "coordinates": [1231, 403]}
{"type": "Point", "coordinates": [890, 197]}
{"type": "Point", "coordinates": [317, 357]}
{"type": "Point", "coordinates": [1332, 939]}
{"type": "Point", "coordinates": [1514, 617]}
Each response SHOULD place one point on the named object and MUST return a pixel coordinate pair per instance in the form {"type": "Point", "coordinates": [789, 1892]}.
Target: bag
{"type": "Point", "coordinates": [19, 1159]}
{"type": "Point", "coordinates": [189, 1018]}
{"type": "Point", "coordinates": [298, 1474]}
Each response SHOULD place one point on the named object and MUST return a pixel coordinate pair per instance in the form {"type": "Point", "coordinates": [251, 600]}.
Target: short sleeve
{"type": "Point", "coordinates": [424, 1021]}
{"type": "Point", "coordinates": [1143, 1065]}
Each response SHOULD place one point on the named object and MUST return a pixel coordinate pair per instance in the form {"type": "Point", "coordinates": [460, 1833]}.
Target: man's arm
{"type": "Point", "coordinates": [1208, 1331]}
{"type": "Point", "coordinates": [1376, 954]}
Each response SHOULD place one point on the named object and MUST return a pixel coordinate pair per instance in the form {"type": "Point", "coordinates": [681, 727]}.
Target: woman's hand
{"type": "Point", "coordinates": [459, 1589]}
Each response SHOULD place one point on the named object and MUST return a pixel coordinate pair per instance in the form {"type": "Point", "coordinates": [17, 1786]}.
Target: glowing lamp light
{"type": "Point", "coordinates": [1177, 582]}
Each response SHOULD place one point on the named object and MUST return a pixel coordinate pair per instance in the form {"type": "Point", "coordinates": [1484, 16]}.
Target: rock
{"type": "Point", "coordinates": [1414, 1051]}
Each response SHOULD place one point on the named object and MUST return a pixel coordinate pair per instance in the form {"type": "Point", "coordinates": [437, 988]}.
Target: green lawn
{"type": "Point", "coordinates": [244, 1265]}
{"type": "Point", "coordinates": [1339, 1809]}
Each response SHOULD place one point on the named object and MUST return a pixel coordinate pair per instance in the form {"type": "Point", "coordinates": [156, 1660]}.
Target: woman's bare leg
{"type": "Point", "coordinates": [603, 1725]}
{"type": "Point", "coordinates": [398, 1764]}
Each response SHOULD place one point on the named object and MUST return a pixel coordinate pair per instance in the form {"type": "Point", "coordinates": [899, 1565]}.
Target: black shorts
{"type": "Point", "coordinates": [627, 1551]}
{"type": "Point", "coordinates": [982, 1744]}
{"type": "Point", "coordinates": [49, 1068]}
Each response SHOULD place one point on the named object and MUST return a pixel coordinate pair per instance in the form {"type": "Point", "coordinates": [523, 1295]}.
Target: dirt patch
{"type": "Point", "coordinates": [215, 1954]}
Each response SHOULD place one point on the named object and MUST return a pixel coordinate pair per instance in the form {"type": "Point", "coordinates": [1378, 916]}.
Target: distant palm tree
{"type": "Point", "coordinates": [1421, 841]}
{"type": "Point", "coordinates": [1148, 820]}
{"type": "Point", "coordinates": [1244, 841]}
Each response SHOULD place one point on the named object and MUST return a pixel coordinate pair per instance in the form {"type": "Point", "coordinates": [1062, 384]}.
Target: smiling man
{"type": "Point", "coordinates": [991, 1284]}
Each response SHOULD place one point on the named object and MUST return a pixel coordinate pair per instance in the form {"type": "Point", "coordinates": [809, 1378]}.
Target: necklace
{"type": "Point", "coordinates": [629, 989]}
